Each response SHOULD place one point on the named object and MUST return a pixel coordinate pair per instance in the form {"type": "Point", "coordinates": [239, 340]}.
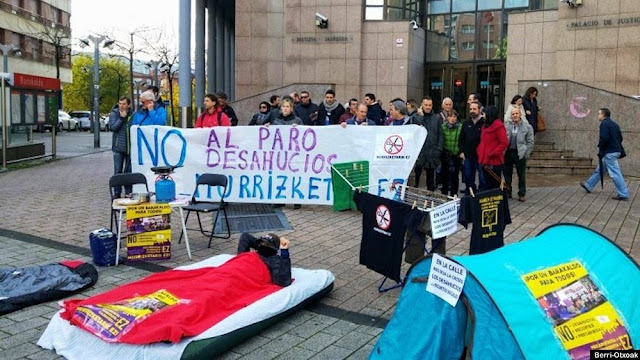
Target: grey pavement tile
{"type": "Point", "coordinates": [297, 353]}
{"type": "Point", "coordinates": [20, 351]}
{"type": "Point", "coordinates": [29, 313]}
{"type": "Point", "coordinates": [45, 355]}
{"type": "Point", "coordinates": [282, 343]}
{"type": "Point", "coordinates": [362, 353]}
{"type": "Point", "coordinates": [309, 328]}
{"type": "Point", "coordinates": [250, 345]}
{"type": "Point", "coordinates": [260, 355]}
{"type": "Point", "coordinates": [340, 328]}
{"type": "Point", "coordinates": [333, 353]}
{"type": "Point", "coordinates": [354, 340]}
{"type": "Point", "coordinates": [277, 330]}
{"type": "Point", "coordinates": [24, 337]}
{"type": "Point", "coordinates": [27, 324]}
{"type": "Point", "coordinates": [300, 317]}
{"type": "Point", "coordinates": [371, 330]}
{"type": "Point", "coordinates": [319, 341]}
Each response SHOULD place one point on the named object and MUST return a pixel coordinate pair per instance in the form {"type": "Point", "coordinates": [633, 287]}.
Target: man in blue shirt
{"type": "Point", "coordinates": [148, 114]}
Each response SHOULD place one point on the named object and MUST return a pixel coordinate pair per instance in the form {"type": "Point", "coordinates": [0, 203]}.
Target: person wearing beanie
{"type": "Point", "coordinates": [267, 247]}
{"type": "Point", "coordinates": [148, 114]}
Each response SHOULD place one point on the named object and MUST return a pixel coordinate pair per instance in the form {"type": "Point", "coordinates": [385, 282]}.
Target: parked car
{"type": "Point", "coordinates": [83, 118]}
{"type": "Point", "coordinates": [66, 122]}
{"type": "Point", "coordinates": [104, 123]}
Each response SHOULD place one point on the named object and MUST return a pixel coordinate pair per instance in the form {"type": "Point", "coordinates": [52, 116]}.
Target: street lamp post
{"type": "Point", "coordinates": [137, 82]}
{"type": "Point", "coordinates": [154, 65]}
{"type": "Point", "coordinates": [96, 40]}
{"type": "Point", "coordinates": [6, 50]}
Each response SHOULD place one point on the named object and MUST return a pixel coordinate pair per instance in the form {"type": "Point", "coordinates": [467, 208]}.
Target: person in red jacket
{"type": "Point", "coordinates": [493, 144]}
{"type": "Point", "coordinates": [212, 114]}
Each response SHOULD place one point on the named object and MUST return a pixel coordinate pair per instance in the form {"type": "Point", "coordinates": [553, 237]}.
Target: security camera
{"type": "Point", "coordinates": [322, 21]}
{"type": "Point", "coordinates": [414, 25]}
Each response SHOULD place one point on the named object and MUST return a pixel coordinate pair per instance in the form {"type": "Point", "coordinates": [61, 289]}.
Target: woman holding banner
{"type": "Point", "coordinates": [286, 117]}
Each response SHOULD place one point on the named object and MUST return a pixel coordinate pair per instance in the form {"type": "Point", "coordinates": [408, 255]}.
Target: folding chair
{"type": "Point", "coordinates": [209, 206]}
{"type": "Point", "coordinates": [125, 179]}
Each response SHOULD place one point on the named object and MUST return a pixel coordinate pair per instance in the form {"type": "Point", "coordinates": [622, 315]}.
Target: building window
{"type": "Point", "coordinates": [488, 28]}
{"type": "Point", "coordinates": [489, 4]}
{"type": "Point", "coordinates": [464, 5]}
{"type": "Point", "coordinates": [544, 4]}
{"type": "Point", "coordinates": [466, 46]}
{"type": "Point", "coordinates": [468, 29]}
{"type": "Point", "coordinates": [392, 9]}
{"type": "Point", "coordinates": [488, 45]}
{"type": "Point", "coordinates": [512, 4]}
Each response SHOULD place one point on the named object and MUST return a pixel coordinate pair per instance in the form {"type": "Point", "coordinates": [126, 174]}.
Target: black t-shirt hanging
{"type": "Point", "coordinates": [489, 213]}
{"type": "Point", "coordinates": [384, 223]}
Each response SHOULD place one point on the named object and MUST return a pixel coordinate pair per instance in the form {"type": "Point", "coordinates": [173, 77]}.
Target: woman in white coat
{"type": "Point", "coordinates": [521, 140]}
{"type": "Point", "coordinates": [516, 102]}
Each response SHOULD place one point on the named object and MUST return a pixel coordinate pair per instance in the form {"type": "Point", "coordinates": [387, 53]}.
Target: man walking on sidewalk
{"type": "Point", "coordinates": [609, 151]}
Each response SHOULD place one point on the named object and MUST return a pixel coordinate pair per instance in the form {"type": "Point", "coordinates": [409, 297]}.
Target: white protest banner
{"type": "Point", "coordinates": [444, 219]}
{"type": "Point", "coordinates": [446, 279]}
{"type": "Point", "coordinates": [276, 164]}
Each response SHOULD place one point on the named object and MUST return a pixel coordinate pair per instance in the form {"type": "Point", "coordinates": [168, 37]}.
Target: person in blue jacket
{"type": "Point", "coordinates": [148, 114]}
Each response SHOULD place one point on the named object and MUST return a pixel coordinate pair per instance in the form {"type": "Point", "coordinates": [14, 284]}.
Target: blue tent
{"type": "Point", "coordinates": [500, 315]}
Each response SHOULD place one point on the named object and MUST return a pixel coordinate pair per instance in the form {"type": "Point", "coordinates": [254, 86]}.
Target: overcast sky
{"type": "Point", "coordinates": [120, 17]}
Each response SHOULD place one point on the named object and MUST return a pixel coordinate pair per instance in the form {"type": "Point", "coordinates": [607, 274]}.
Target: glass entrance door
{"type": "Point", "coordinates": [489, 81]}
{"type": "Point", "coordinates": [460, 87]}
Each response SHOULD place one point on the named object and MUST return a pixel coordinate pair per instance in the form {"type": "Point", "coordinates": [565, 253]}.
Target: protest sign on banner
{"type": "Point", "coordinates": [582, 318]}
{"type": "Point", "coordinates": [149, 232]}
{"type": "Point", "coordinates": [276, 164]}
{"type": "Point", "coordinates": [446, 279]}
{"type": "Point", "coordinates": [444, 219]}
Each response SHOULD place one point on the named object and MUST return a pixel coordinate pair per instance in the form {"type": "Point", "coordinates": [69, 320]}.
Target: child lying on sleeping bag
{"type": "Point", "coordinates": [267, 247]}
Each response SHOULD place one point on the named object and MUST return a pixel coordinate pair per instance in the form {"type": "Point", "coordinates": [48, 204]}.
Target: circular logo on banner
{"type": "Point", "coordinates": [383, 217]}
{"type": "Point", "coordinates": [393, 145]}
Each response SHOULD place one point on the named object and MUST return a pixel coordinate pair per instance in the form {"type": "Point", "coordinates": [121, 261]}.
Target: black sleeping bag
{"type": "Point", "coordinates": [22, 287]}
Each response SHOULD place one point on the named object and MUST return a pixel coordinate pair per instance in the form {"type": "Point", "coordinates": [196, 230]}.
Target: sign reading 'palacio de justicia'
{"type": "Point", "coordinates": [603, 23]}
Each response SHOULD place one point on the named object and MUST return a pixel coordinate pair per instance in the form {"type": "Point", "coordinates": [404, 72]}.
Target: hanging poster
{"type": "Point", "coordinates": [582, 318]}
{"type": "Point", "coordinates": [41, 109]}
{"type": "Point", "coordinates": [149, 232]}
{"type": "Point", "coordinates": [113, 320]}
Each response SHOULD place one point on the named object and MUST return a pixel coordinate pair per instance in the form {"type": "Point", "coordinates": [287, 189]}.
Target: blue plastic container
{"type": "Point", "coordinates": [103, 247]}
{"type": "Point", "coordinates": [165, 190]}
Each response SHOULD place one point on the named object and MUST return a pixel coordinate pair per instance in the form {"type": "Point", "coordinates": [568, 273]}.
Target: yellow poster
{"type": "Point", "coordinates": [149, 232]}
{"type": "Point", "coordinates": [582, 318]}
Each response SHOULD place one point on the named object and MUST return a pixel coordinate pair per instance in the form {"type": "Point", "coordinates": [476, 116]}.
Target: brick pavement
{"type": "Point", "coordinates": [64, 200]}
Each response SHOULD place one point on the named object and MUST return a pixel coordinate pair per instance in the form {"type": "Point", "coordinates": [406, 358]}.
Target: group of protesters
{"type": "Point", "coordinates": [481, 147]}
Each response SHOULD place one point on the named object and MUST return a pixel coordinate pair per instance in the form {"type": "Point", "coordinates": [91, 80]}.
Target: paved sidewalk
{"type": "Point", "coordinates": [57, 204]}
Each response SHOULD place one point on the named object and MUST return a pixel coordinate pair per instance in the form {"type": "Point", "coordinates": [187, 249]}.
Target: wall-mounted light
{"type": "Point", "coordinates": [572, 3]}
{"type": "Point", "coordinates": [322, 21]}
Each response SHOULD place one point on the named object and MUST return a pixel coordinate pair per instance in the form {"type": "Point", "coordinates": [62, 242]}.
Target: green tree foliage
{"type": "Point", "coordinates": [77, 95]}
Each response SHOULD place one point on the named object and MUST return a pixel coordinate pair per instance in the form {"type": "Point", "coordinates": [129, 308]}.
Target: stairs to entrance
{"type": "Point", "coordinates": [545, 159]}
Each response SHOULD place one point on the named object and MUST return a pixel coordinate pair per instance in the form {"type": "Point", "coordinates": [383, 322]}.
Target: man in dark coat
{"type": "Point", "coordinates": [119, 125]}
{"type": "Point", "coordinates": [469, 141]}
{"type": "Point", "coordinates": [305, 108]}
{"type": "Point", "coordinates": [429, 157]}
{"type": "Point", "coordinates": [330, 111]}
{"type": "Point", "coordinates": [267, 247]}
{"type": "Point", "coordinates": [375, 111]}
{"type": "Point", "coordinates": [226, 108]}
{"type": "Point", "coordinates": [609, 151]}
